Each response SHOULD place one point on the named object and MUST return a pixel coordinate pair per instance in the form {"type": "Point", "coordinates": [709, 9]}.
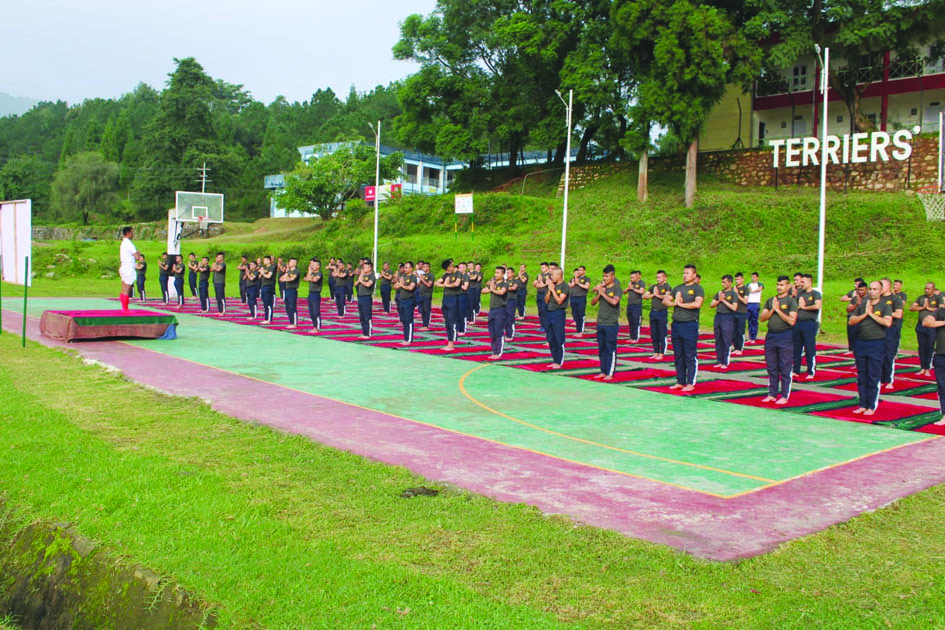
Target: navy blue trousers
{"type": "Point", "coordinates": [405, 309]}
{"type": "Point", "coordinates": [542, 310]}
{"type": "Point", "coordinates": [890, 350]}
{"type": "Point", "coordinates": [554, 333]}
{"type": "Point", "coordinates": [192, 281]}
{"type": "Point", "coordinates": [869, 370]}
{"type": "Point", "coordinates": [741, 321]}
{"type": "Point", "coordinates": [268, 293]}
{"type": "Point", "coordinates": [252, 294]}
{"type": "Point", "coordinates": [520, 301]}
{"type": "Point", "coordinates": [925, 337]}
{"type": "Point", "coordinates": [805, 344]}
{"type": "Point", "coordinates": [385, 297]}
{"type": "Point", "coordinates": [141, 294]}
{"type": "Point", "coordinates": [685, 338]}
{"type": "Point", "coordinates": [365, 304]}
{"type": "Point", "coordinates": [315, 309]}
{"type": "Point", "coordinates": [426, 307]}
{"type": "Point", "coordinates": [463, 306]}
{"type": "Point", "coordinates": [204, 296]}
{"type": "Point", "coordinates": [497, 317]}
{"type": "Point", "coordinates": [340, 300]}
{"type": "Point", "coordinates": [938, 363]}
{"type": "Point", "coordinates": [607, 348]}
{"type": "Point", "coordinates": [291, 299]}
{"type": "Point", "coordinates": [475, 295]}
{"type": "Point", "coordinates": [754, 309]}
{"type": "Point", "coordinates": [724, 328]}
{"type": "Point", "coordinates": [634, 316]}
{"type": "Point", "coordinates": [510, 307]}
{"type": "Point", "coordinates": [658, 331]}
{"type": "Point", "coordinates": [162, 280]}
{"type": "Point", "coordinates": [779, 359]}
{"type": "Point", "coordinates": [450, 310]}
{"type": "Point", "coordinates": [219, 292]}
{"type": "Point", "coordinates": [179, 287]}
{"type": "Point", "coordinates": [578, 311]}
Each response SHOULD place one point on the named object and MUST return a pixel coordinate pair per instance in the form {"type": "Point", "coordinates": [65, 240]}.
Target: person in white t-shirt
{"type": "Point", "coordinates": [126, 270]}
{"type": "Point", "coordinates": [755, 289]}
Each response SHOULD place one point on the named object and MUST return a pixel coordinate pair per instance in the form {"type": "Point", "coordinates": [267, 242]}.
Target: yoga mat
{"type": "Point", "coordinates": [798, 398]}
{"type": "Point", "coordinates": [631, 375]}
{"type": "Point", "coordinates": [708, 387]}
{"type": "Point", "coordinates": [885, 411]}
{"type": "Point", "coordinates": [542, 366]}
{"type": "Point", "coordinates": [507, 356]}
{"type": "Point", "coordinates": [735, 366]}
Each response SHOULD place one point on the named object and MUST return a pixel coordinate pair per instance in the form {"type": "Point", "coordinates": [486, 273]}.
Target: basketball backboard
{"type": "Point", "coordinates": [195, 207]}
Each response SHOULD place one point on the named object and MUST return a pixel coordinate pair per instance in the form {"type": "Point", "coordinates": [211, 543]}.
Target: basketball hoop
{"type": "Point", "coordinates": [934, 202]}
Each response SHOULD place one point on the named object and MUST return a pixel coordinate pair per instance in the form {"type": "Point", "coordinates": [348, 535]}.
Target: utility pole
{"type": "Point", "coordinates": [203, 177]}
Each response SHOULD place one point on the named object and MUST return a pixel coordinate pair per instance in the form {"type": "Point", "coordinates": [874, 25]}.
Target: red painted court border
{"type": "Point", "coordinates": [704, 526]}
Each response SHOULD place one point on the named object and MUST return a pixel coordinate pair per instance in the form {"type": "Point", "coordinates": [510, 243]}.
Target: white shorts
{"type": "Point", "coordinates": [128, 276]}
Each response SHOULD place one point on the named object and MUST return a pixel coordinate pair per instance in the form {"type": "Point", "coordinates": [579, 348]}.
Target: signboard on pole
{"type": "Point", "coordinates": [387, 191]}
{"type": "Point", "coordinates": [464, 204]}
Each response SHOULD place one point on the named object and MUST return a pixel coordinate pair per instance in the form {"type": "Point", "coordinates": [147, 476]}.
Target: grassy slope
{"type": "Point", "coordinates": [267, 528]}
{"type": "Point", "coordinates": [731, 229]}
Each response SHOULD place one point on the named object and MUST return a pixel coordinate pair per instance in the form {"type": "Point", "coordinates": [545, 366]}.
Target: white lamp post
{"type": "Point", "coordinates": [825, 88]}
{"type": "Point", "coordinates": [377, 185]}
{"type": "Point", "coordinates": [567, 173]}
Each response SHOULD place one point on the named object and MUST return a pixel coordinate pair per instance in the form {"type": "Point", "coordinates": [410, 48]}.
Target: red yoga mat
{"type": "Point", "coordinates": [631, 375]}
{"type": "Point", "coordinates": [798, 398]}
{"type": "Point", "coordinates": [885, 411]}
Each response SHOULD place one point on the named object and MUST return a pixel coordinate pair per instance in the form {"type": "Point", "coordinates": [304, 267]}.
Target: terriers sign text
{"type": "Point", "coordinates": [845, 149]}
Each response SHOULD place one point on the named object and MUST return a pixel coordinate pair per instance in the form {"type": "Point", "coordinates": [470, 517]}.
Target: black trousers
{"type": "Point", "coordinates": [805, 343]}
{"type": "Point", "coordinates": [365, 304]}
{"type": "Point", "coordinates": [724, 328]}
{"type": "Point", "coordinates": [315, 309]}
{"type": "Point", "coordinates": [405, 308]}
{"type": "Point", "coordinates": [658, 330]}
{"type": "Point", "coordinates": [925, 337]}
{"type": "Point", "coordinates": [869, 369]}
{"type": "Point", "coordinates": [385, 297]}
{"type": "Point", "coordinates": [685, 339]}
{"type": "Point", "coordinates": [607, 348]}
{"type": "Point", "coordinates": [291, 298]}
{"type": "Point", "coordinates": [497, 318]}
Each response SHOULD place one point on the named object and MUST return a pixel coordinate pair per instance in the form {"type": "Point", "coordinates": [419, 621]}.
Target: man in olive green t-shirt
{"type": "Point", "coordinates": [556, 303]}
{"type": "Point", "coordinates": [872, 317]}
{"type": "Point", "coordinates": [686, 300]}
{"type": "Point", "coordinates": [780, 312]}
{"type": "Point", "coordinates": [607, 298]}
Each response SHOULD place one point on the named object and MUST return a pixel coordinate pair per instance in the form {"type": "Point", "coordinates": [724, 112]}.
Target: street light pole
{"type": "Point", "coordinates": [825, 88]}
{"type": "Point", "coordinates": [567, 173]}
{"type": "Point", "coordinates": [377, 185]}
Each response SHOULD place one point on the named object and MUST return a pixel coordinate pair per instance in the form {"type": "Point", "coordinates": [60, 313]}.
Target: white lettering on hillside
{"type": "Point", "coordinates": [846, 149]}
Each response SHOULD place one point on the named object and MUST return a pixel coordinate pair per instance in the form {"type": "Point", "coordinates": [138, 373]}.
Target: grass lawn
{"type": "Point", "coordinates": [275, 531]}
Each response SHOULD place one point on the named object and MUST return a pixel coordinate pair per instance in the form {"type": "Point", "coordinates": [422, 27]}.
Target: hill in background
{"type": "Point", "coordinates": [11, 105]}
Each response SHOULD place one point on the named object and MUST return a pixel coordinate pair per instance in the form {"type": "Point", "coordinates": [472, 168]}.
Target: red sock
{"type": "Point", "coordinates": [124, 301]}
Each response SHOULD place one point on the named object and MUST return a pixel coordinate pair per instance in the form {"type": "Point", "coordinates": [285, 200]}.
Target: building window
{"type": "Point", "coordinates": [914, 111]}
{"type": "Point", "coordinates": [839, 119]}
{"type": "Point", "coordinates": [783, 125]}
{"type": "Point", "coordinates": [799, 82]}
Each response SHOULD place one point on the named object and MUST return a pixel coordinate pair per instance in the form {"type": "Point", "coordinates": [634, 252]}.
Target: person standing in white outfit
{"type": "Point", "coordinates": [127, 271]}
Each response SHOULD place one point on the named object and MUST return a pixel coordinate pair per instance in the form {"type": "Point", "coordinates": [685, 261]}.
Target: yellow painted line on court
{"type": "Point", "coordinates": [430, 424]}
{"type": "Point", "coordinates": [462, 388]}
{"type": "Point", "coordinates": [837, 465]}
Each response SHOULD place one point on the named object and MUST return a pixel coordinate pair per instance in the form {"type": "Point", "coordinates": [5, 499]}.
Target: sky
{"type": "Point", "coordinates": [72, 50]}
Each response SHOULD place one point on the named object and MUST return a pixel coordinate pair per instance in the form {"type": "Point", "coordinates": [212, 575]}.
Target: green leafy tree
{"type": "Point", "coordinates": [327, 183]}
{"type": "Point", "coordinates": [27, 177]}
{"type": "Point", "coordinates": [87, 184]}
{"type": "Point", "coordinates": [858, 32]}
{"type": "Point", "coordinates": [691, 53]}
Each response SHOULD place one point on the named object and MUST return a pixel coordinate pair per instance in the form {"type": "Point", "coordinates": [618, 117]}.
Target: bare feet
{"type": "Point", "coordinates": [768, 399]}
{"type": "Point", "coordinates": [676, 386]}
{"type": "Point", "coordinates": [405, 343]}
{"type": "Point", "coordinates": [859, 410]}
{"type": "Point", "coordinates": [781, 401]}
{"type": "Point", "coordinates": [599, 376]}
{"type": "Point", "coordinates": [448, 348]}
{"type": "Point", "coordinates": [610, 378]}
{"type": "Point", "coordinates": [888, 386]}
{"type": "Point", "coordinates": [493, 357]}
{"type": "Point", "coordinates": [689, 388]}
{"type": "Point", "coordinates": [940, 422]}
{"type": "Point", "coordinates": [722, 367]}
{"type": "Point", "coordinates": [736, 353]}
{"type": "Point", "coordinates": [290, 326]}
{"type": "Point", "coordinates": [869, 412]}
{"type": "Point", "coordinates": [809, 377]}
{"type": "Point", "coordinates": [555, 366]}
{"type": "Point", "coordinates": [361, 337]}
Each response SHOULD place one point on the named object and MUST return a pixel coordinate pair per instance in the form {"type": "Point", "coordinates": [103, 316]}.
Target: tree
{"type": "Point", "coordinates": [326, 183]}
{"type": "Point", "coordinates": [691, 53]}
{"type": "Point", "coordinates": [27, 177]}
{"type": "Point", "coordinates": [858, 32]}
{"type": "Point", "coordinates": [87, 184]}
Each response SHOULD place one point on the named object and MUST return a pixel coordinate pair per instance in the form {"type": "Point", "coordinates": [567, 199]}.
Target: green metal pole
{"type": "Point", "coordinates": [26, 286]}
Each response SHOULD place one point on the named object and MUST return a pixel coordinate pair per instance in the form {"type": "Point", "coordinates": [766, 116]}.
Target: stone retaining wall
{"type": "Point", "coordinates": [753, 167]}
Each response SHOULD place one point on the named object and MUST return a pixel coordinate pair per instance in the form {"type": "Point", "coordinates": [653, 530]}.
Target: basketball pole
{"type": "Point", "coordinates": [941, 155]}
{"type": "Point", "coordinates": [377, 185]}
